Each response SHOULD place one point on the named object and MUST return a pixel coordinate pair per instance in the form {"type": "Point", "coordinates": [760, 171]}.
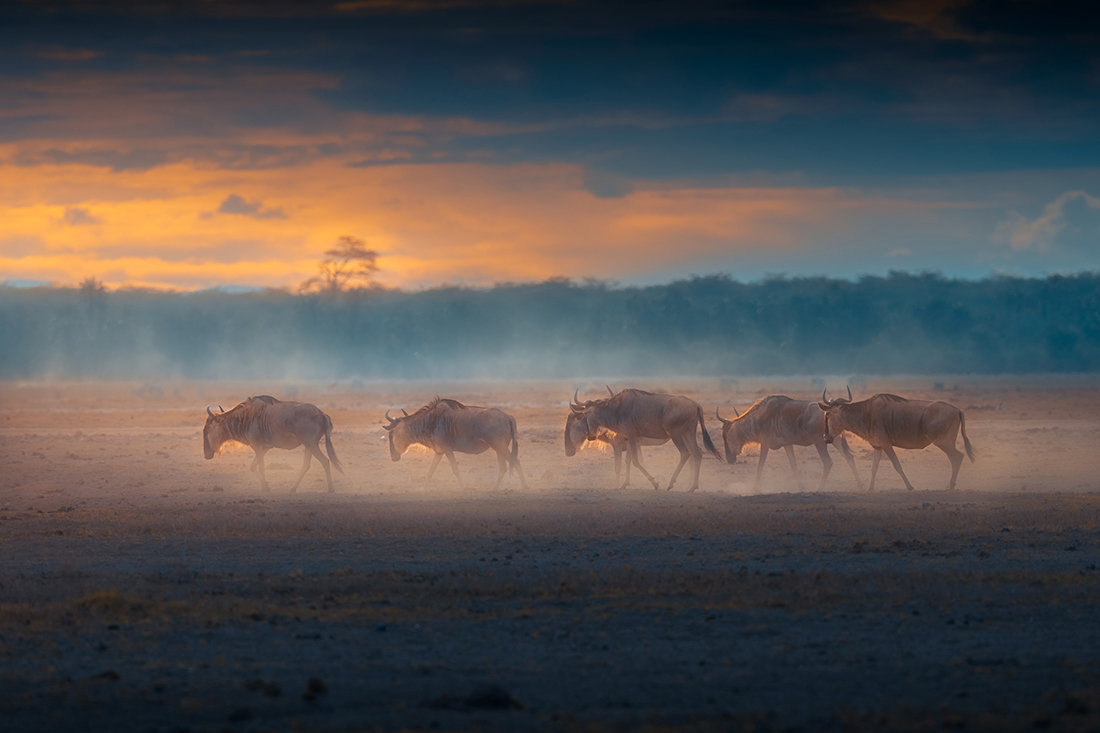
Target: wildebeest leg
{"type": "Point", "coordinates": [502, 467]}
{"type": "Point", "coordinates": [760, 468]}
{"type": "Point", "coordinates": [454, 467]}
{"type": "Point", "coordinates": [435, 464]}
{"type": "Point", "coordinates": [696, 461]}
{"type": "Point", "coordinates": [955, 456]}
{"type": "Point", "coordinates": [826, 462]}
{"type": "Point", "coordinates": [618, 465]}
{"type": "Point", "coordinates": [259, 461]}
{"type": "Point", "coordinates": [636, 459]}
{"type": "Point", "coordinates": [316, 450]}
{"type": "Point", "coordinates": [685, 453]}
{"type": "Point", "coordinates": [847, 453]}
{"type": "Point", "coordinates": [889, 450]}
{"type": "Point", "coordinates": [874, 468]}
{"type": "Point", "coordinates": [305, 467]}
{"type": "Point", "coordinates": [794, 466]}
{"type": "Point", "coordinates": [519, 470]}
{"type": "Point", "coordinates": [627, 481]}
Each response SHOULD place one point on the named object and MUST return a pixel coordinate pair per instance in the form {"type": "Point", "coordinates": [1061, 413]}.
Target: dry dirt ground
{"type": "Point", "coordinates": [143, 588]}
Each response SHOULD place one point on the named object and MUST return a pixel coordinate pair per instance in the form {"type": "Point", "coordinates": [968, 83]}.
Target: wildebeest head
{"type": "Point", "coordinates": [731, 437]}
{"type": "Point", "coordinates": [576, 431]}
{"type": "Point", "coordinates": [835, 417]}
{"type": "Point", "coordinates": [214, 433]}
{"type": "Point", "coordinates": [400, 436]}
{"type": "Point", "coordinates": [577, 426]}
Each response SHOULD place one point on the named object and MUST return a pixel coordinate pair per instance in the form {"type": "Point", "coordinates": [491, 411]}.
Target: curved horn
{"type": "Point", "coordinates": [849, 393]}
{"type": "Point", "coordinates": [403, 412]}
{"type": "Point", "coordinates": [391, 419]}
{"type": "Point", "coordinates": [823, 394]}
{"type": "Point", "coordinates": [576, 400]}
{"type": "Point", "coordinates": [208, 412]}
{"type": "Point", "coordinates": [720, 418]}
{"type": "Point", "coordinates": [221, 408]}
{"type": "Point", "coordinates": [609, 390]}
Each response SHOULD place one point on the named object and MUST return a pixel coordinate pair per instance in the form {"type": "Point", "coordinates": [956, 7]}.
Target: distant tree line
{"type": "Point", "coordinates": [898, 324]}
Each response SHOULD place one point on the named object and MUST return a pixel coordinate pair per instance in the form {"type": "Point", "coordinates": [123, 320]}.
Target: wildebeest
{"type": "Point", "coordinates": [446, 426]}
{"type": "Point", "coordinates": [263, 423]}
{"type": "Point", "coordinates": [576, 433]}
{"type": "Point", "coordinates": [636, 414]}
{"type": "Point", "coordinates": [887, 421]}
{"type": "Point", "coordinates": [777, 421]}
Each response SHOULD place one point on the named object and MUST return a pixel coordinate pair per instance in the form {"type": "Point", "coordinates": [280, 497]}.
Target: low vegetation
{"type": "Point", "coordinates": [902, 323]}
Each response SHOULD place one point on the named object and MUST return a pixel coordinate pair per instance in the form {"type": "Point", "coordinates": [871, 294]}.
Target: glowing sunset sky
{"type": "Point", "coordinates": [198, 144]}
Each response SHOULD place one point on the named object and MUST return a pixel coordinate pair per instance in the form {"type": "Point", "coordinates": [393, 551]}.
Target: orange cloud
{"type": "Point", "coordinates": [432, 224]}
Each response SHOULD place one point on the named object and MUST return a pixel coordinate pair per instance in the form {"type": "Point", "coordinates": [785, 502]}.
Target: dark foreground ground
{"type": "Point", "coordinates": [145, 589]}
{"type": "Point", "coordinates": [629, 612]}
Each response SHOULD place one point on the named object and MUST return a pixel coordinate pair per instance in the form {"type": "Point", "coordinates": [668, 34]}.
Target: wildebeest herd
{"type": "Point", "coordinates": [626, 420]}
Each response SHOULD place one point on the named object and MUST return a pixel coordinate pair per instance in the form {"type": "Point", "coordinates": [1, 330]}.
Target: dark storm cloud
{"type": "Point", "coordinates": [77, 216]}
{"type": "Point", "coordinates": [225, 157]}
{"type": "Point", "coordinates": [606, 185]}
{"type": "Point", "coordinates": [746, 86]}
{"type": "Point", "coordinates": [235, 204]}
{"type": "Point", "coordinates": [20, 127]}
{"type": "Point", "coordinates": [129, 160]}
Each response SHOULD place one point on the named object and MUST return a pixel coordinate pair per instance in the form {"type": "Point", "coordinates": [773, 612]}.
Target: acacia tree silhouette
{"type": "Point", "coordinates": [347, 266]}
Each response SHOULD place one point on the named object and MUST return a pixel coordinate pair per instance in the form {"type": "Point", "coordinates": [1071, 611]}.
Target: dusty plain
{"type": "Point", "coordinates": [143, 588]}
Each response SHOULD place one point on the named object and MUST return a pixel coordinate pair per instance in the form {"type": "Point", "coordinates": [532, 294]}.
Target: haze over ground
{"type": "Point", "coordinates": [193, 145]}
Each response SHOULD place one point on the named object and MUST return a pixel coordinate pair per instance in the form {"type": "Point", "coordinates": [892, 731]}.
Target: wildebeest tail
{"type": "Point", "coordinates": [515, 446]}
{"type": "Point", "coordinates": [966, 440]}
{"type": "Point", "coordinates": [706, 436]}
{"type": "Point", "coordinates": [328, 445]}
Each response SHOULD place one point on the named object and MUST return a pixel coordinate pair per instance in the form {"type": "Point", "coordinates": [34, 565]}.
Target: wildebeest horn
{"type": "Point", "coordinates": [720, 418]}
{"type": "Point", "coordinates": [208, 412]}
{"type": "Point", "coordinates": [609, 390]}
{"type": "Point", "coordinates": [823, 394]}
{"type": "Point", "coordinates": [221, 409]}
{"type": "Point", "coordinates": [849, 393]}
{"type": "Point", "coordinates": [391, 419]}
{"type": "Point", "coordinates": [576, 399]}
{"type": "Point", "coordinates": [403, 412]}
{"type": "Point", "coordinates": [735, 412]}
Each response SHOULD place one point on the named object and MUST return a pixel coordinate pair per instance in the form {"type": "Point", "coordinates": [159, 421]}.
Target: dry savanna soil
{"type": "Point", "coordinates": [143, 588]}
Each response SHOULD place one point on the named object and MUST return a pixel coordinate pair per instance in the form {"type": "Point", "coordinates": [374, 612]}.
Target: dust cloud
{"type": "Point", "coordinates": [150, 585]}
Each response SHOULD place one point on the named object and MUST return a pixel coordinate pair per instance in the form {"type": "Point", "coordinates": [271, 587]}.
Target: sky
{"type": "Point", "coordinates": [229, 143]}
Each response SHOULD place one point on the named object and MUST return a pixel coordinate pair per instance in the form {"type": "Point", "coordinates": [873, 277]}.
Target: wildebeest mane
{"type": "Point", "coordinates": [424, 421]}
{"type": "Point", "coordinates": [237, 419]}
{"type": "Point", "coordinates": [770, 399]}
{"type": "Point", "coordinates": [444, 402]}
{"type": "Point", "coordinates": [762, 415]}
{"type": "Point", "coordinates": [635, 391]}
